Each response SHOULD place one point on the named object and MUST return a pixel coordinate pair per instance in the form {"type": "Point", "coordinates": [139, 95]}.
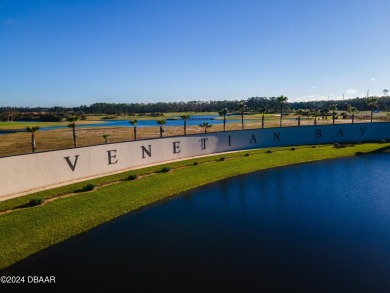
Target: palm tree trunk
{"type": "Point", "coordinates": [299, 120]}
{"type": "Point", "coordinates": [353, 118]}
{"type": "Point", "coordinates": [333, 117]}
{"type": "Point", "coordinates": [205, 129]}
{"type": "Point", "coordinates": [281, 114]}
{"type": "Point", "coordinates": [372, 113]}
{"type": "Point", "coordinates": [135, 133]}
{"type": "Point", "coordinates": [74, 135]}
{"type": "Point", "coordinates": [33, 143]}
{"type": "Point", "coordinates": [161, 131]}
{"type": "Point", "coordinates": [242, 120]}
{"type": "Point", "coordinates": [224, 123]}
{"type": "Point", "coordinates": [315, 120]}
{"type": "Point", "coordinates": [185, 127]}
{"type": "Point", "coordinates": [262, 121]}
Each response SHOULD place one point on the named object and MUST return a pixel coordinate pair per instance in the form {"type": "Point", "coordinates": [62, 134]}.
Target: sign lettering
{"type": "Point", "coordinates": [176, 147]}
{"type": "Point", "coordinates": [147, 151]}
{"type": "Point", "coordinates": [112, 156]}
{"type": "Point", "coordinates": [71, 165]}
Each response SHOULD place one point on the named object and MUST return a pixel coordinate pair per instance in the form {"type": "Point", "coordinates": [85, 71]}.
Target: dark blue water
{"type": "Point", "coordinates": [318, 227]}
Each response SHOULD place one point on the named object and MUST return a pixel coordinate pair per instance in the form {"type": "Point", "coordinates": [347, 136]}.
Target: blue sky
{"type": "Point", "coordinates": [71, 53]}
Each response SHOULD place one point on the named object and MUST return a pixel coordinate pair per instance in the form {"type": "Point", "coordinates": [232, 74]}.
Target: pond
{"type": "Point", "coordinates": [317, 227]}
{"type": "Point", "coordinates": [193, 121]}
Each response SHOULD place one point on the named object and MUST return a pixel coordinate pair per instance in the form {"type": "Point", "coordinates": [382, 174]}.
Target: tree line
{"type": "Point", "coordinates": [253, 104]}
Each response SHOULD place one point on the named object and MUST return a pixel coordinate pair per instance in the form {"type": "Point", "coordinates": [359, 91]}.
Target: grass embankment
{"type": "Point", "coordinates": [27, 230]}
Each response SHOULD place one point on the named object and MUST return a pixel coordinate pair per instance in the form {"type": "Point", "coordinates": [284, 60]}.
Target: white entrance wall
{"type": "Point", "coordinates": [31, 171]}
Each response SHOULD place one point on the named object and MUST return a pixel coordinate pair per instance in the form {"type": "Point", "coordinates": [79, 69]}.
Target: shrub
{"type": "Point", "coordinates": [36, 202]}
{"type": "Point", "coordinates": [336, 145]}
{"type": "Point", "coordinates": [293, 149]}
{"type": "Point", "coordinates": [269, 151]}
{"type": "Point", "coordinates": [246, 155]}
{"type": "Point", "coordinates": [166, 169]}
{"type": "Point", "coordinates": [222, 159]}
{"type": "Point", "coordinates": [88, 187]}
{"type": "Point", "coordinates": [196, 163]}
{"type": "Point", "coordinates": [313, 146]}
{"type": "Point", "coordinates": [132, 177]}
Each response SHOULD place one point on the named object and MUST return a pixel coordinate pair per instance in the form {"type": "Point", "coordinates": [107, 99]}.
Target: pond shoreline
{"type": "Point", "coordinates": [109, 202]}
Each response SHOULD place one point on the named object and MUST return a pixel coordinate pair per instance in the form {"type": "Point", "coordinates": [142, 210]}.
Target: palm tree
{"type": "Point", "coordinates": [134, 123]}
{"type": "Point", "coordinates": [205, 125]}
{"type": "Point", "coordinates": [72, 119]}
{"type": "Point", "coordinates": [299, 112]}
{"type": "Point", "coordinates": [372, 102]}
{"type": "Point", "coordinates": [308, 113]}
{"type": "Point", "coordinates": [262, 111]}
{"type": "Point", "coordinates": [223, 113]}
{"type": "Point", "coordinates": [105, 136]}
{"type": "Point", "coordinates": [325, 113]}
{"type": "Point", "coordinates": [352, 110]}
{"type": "Point", "coordinates": [32, 130]}
{"type": "Point", "coordinates": [315, 113]}
{"type": "Point", "coordinates": [185, 118]}
{"type": "Point", "coordinates": [282, 100]}
{"type": "Point", "coordinates": [241, 107]}
{"type": "Point", "coordinates": [385, 92]}
{"type": "Point", "coordinates": [161, 122]}
{"type": "Point", "coordinates": [333, 108]}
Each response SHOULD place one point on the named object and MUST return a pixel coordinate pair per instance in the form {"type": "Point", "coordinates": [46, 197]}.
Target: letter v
{"type": "Point", "coordinates": [72, 166]}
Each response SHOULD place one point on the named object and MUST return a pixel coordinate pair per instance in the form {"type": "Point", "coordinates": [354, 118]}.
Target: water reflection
{"type": "Point", "coordinates": [320, 227]}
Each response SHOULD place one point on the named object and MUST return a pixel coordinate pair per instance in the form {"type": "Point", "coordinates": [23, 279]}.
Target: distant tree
{"type": "Point", "coordinates": [134, 123]}
{"type": "Point", "coordinates": [385, 92]}
{"type": "Point", "coordinates": [32, 130]}
{"type": "Point", "coordinates": [333, 108]}
{"type": "Point", "coordinates": [282, 100]}
{"type": "Point", "coordinates": [325, 113]}
{"type": "Point", "coordinates": [223, 114]}
{"type": "Point", "coordinates": [105, 136]}
{"type": "Point", "coordinates": [50, 117]}
{"type": "Point", "coordinates": [347, 107]}
{"type": "Point", "coordinates": [353, 111]}
{"type": "Point", "coordinates": [315, 113]}
{"type": "Point", "coordinates": [72, 119]}
{"type": "Point", "coordinates": [372, 103]}
{"type": "Point", "coordinates": [263, 111]}
{"type": "Point", "coordinates": [205, 125]}
{"type": "Point", "coordinates": [241, 107]}
{"type": "Point", "coordinates": [309, 112]}
{"type": "Point", "coordinates": [161, 122]}
{"type": "Point", "coordinates": [185, 118]}
{"type": "Point", "coordinates": [299, 112]}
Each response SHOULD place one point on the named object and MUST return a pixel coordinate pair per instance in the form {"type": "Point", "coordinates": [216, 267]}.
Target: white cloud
{"type": "Point", "coordinates": [287, 33]}
{"type": "Point", "coordinates": [315, 98]}
{"type": "Point", "coordinates": [351, 92]}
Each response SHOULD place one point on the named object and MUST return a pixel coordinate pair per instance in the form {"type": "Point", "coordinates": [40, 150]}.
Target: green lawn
{"type": "Point", "coordinates": [25, 231]}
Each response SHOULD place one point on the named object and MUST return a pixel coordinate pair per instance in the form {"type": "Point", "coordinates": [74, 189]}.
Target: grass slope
{"type": "Point", "coordinates": [29, 230]}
